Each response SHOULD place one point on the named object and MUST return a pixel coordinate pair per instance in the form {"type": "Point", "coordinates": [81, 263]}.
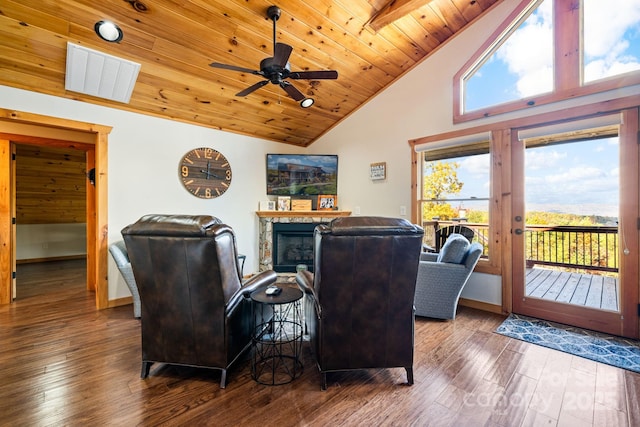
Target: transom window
{"type": "Point", "coordinates": [549, 50]}
{"type": "Point", "coordinates": [611, 35]}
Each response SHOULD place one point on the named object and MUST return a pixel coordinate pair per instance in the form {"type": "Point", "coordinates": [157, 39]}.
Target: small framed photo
{"type": "Point", "coordinates": [284, 203]}
{"type": "Point", "coordinates": [327, 202]}
{"type": "Point", "coordinates": [378, 171]}
{"type": "Point", "coordinates": [268, 205]}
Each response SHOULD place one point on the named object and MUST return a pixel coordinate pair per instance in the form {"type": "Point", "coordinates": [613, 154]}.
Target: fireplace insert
{"type": "Point", "coordinates": [292, 246]}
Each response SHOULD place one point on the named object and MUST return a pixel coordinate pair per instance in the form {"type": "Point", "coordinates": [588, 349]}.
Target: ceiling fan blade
{"type": "Point", "coordinates": [313, 75]}
{"type": "Point", "coordinates": [251, 88]}
{"type": "Point", "coordinates": [234, 68]}
{"type": "Point", "coordinates": [292, 91]}
{"type": "Point", "coordinates": [281, 54]}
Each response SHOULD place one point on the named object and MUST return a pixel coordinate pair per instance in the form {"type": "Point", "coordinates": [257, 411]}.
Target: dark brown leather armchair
{"type": "Point", "coordinates": [359, 302]}
{"type": "Point", "coordinates": [195, 309]}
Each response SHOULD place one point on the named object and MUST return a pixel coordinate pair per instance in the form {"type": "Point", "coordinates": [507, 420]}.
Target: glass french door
{"type": "Point", "coordinates": [574, 226]}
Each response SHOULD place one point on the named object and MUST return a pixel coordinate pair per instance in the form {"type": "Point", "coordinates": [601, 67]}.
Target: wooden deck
{"type": "Point", "coordinates": [588, 290]}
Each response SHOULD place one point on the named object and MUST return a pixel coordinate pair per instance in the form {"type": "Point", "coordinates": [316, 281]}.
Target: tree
{"type": "Point", "coordinates": [440, 180]}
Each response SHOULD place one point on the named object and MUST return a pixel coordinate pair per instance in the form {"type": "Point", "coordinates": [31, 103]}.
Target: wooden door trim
{"type": "Point", "coordinates": [6, 262]}
{"type": "Point", "coordinates": [12, 201]}
{"type": "Point", "coordinates": [630, 190]}
{"type": "Point", "coordinates": [29, 128]}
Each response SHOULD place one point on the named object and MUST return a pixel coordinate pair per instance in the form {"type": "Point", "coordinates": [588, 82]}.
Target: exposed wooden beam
{"type": "Point", "coordinates": [393, 11]}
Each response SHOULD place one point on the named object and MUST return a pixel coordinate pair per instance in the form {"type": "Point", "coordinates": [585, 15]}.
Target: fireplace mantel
{"type": "Point", "coordinates": [267, 218]}
{"type": "Point", "coordinates": [302, 214]}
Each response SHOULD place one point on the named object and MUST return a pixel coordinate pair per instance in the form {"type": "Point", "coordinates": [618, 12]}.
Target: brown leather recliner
{"type": "Point", "coordinates": [359, 302]}
{"type": "Point", "coordinates": [195, 309]}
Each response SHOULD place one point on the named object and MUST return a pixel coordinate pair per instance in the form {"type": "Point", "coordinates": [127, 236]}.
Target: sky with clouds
{"type": "Point", "coordinates": [523, 65]}
{"type": "Point", "coordinates": [579, 178]}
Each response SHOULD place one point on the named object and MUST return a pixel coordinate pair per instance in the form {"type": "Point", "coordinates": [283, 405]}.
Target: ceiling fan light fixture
{"type": "Point", "coordinates": [307, 102]}
{"type": "Point", "coordinates": [277, 70]}
{"type": "Point", "coordinates": [108, 31]}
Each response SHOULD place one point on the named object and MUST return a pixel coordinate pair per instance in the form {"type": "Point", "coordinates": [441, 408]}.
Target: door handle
{"type": "Point", "coordinates": [518, 231]}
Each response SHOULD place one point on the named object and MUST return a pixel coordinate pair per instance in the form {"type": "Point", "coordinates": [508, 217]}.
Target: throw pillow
{"type": "Point", "coordinates": [454, 249]}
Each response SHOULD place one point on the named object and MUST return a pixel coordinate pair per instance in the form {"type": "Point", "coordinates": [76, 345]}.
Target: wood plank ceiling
{"type": "Point", "coordinates": [371, 43]}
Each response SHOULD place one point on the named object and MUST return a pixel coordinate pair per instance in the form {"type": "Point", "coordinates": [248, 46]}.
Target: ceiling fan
{"type": "Point", "coordinates": [277, 68]}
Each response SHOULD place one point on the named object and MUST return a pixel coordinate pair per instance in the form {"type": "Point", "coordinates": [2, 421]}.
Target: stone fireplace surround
{"type": "Point", "coordinates": [267, 218]}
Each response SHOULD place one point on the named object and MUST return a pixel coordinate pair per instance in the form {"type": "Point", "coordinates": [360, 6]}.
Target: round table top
{"type": "Point", "coordinates": [289, 294]}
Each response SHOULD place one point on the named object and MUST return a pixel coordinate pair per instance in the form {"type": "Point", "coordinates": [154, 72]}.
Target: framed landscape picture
{"type": "Point", "coordinates": [302, 174]}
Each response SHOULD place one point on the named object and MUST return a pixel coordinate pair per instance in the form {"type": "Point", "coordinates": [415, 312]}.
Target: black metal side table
{"type": "Point", "coordinates": [277, 336]}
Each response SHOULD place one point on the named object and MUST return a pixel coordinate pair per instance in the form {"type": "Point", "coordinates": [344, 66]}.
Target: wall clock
{"type": "Point", "coordinates": [205, 173]}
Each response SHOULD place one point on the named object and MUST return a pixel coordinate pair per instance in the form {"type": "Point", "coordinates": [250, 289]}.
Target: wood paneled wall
{"type": "Point", "coordinates": [50, 185]}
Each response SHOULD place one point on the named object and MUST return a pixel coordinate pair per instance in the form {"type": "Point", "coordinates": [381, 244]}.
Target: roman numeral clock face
{"type": "Point", "coordinates": [205, 173]}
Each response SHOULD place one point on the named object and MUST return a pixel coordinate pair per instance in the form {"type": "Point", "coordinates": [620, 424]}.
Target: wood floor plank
{"type": "Point", "coordinates": [514, 403]}
{"type": "Point", "coordinates": [569, 288]}
{"type": "Point", "coordinates": [547, 399]}
{"type": "Point", "coordinates": [504, 367]}
{"type": "Point", "coordinates": [610, 387]}
{"type": "Point", "coordinates": [582, 290]}
{"type": "Point", "coordinates": [632, 386]}
{"type": "Point", "coordinates": [578, 401]}
{"type": "Point", "coordinates": [64, 363]}
{"type": "Point", "coordinates": [537, 280]}
{"type": "Point", "coordinates": [609, 294]}
{"type": "Point", "coordinates": [594, 297]}
{"type": "Point", "coordinates": [605, 416]}
{"type": "Point", "coordinates": [543, 287]}
{"type": "Point", "coordinates": [479, 405]}
{"type": "Point", "coordinates": [558, 285]}
{"type": "Point", "coordinates": [533, 361]}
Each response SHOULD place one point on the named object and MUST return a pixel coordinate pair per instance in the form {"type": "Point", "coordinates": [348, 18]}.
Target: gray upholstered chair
{"type": "Point", "coordinates": [443, 275]}
{"type": "Point", "coordinates": [119, 253]}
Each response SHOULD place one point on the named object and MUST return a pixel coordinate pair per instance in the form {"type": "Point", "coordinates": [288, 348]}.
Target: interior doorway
{"type": "Point", "coordinates": [27, 128]}
{"type": "Point", "coordinates": [50, 203]}
{"type": "Point", "coordinates": [574, 235]}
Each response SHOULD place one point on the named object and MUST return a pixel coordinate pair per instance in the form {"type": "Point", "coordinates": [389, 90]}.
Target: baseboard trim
{"type": "Point", "coordinates": [48, 259]}
{"type": "Point", "coordinates": [485, 306]}
{"type": "Point", "coordinates": [119, 302]}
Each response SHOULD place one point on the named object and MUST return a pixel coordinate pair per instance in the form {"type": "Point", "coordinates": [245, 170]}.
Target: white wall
{"type": "Point", "coordinates": [50, 240]}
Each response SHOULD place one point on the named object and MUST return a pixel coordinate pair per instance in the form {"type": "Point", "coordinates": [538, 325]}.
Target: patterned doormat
{"type": "Point", "coordinates": [615, 351]}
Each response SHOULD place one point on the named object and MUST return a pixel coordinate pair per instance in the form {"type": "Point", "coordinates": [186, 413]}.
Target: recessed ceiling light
{"type": "Point", "coordinates": [108, 31]}
{"type": "Point", "coordinates": [307, 102]}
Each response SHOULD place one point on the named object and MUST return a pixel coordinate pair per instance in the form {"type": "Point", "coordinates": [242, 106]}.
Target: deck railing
{"type": "Point", "coordinates": [589, 248]}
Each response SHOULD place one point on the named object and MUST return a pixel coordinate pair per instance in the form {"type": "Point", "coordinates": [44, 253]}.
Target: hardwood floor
{"type": "Point", "coordinates": [64, 363]}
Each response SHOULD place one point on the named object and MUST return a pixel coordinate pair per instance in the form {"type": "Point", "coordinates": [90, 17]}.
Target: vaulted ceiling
{"type": "Point", "coordinates": [370, 43]}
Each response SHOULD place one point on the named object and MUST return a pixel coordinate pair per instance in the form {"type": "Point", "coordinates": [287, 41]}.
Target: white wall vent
{"type": "Point", "coordinates": [99, 74]}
